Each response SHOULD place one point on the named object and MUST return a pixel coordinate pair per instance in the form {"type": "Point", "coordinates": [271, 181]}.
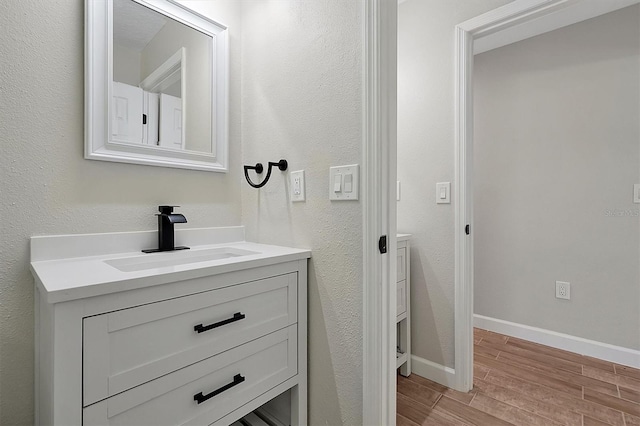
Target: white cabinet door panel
{"type": "Point", "coordinates": [402, 264]}
{"type": "Point", "coordinates": [126, 113]}
{"type": "Point", "coordinates": [401, 297]}
{"type": "Point", "coordinates": [171, 122]}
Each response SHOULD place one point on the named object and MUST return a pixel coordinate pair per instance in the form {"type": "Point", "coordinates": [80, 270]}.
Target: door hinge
{"type": "Point", "coordinates": [144, 118]}
{"type": "Point", "coordinates": [467, 230]}
{"type": "Point", "coordinates": [382, 244]}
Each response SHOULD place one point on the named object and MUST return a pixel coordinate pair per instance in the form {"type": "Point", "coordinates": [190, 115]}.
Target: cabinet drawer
{"type": "Point", "coordinates": [402, 298]}
{"type": "Point", "coordinates": [227, 381]}
{"type": "Point", "coordinates": [402, 264]}
{"type": "Point", "coordinates": [126, 348]}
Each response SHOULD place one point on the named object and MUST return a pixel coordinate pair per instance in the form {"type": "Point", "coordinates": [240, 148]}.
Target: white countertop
{"type": "Point", "coordinates": [71, 278]}
{"type": "Point", "coordinates": [403, 237]}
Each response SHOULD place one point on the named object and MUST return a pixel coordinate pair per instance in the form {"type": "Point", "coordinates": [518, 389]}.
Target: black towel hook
{"type": "Point", "coordinates": [282, 165]}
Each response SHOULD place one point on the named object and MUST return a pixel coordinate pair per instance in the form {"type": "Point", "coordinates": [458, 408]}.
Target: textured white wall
{"type": "Point", "coordinates": [557, 146]}
{"type": "Point", "coordinates": [425, 156]}
{"type": "Point", "coordinates": [302, 101]}
{"type": "Point", "coordinates": [46, 187]}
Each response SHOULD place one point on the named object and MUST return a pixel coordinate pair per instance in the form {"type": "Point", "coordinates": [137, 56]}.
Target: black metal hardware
{"type": "Point", "coordinates": [144, 118]}
{"type": "Point", "coordinates": [200, 398]}
{"type": "Point", "coordinates": [382, 244]}
{"type": "Point", "coordinates": [282, 165]}
{"type": "Point", "coordinates": [166, 237]}
{"type": "Point", "coordinates": [202, 328]}
{"type": "Point", "coordinates": [467, 230]}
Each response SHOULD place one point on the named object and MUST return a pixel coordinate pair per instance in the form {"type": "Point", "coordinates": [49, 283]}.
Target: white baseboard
{"type": "Point", "coordinates": [435, 372]}
{"type": "Point", "coordinates": [579, 345]}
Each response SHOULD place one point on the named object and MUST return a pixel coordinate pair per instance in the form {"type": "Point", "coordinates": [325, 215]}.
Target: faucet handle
{"type": "Point", "coordinates": [166, 209]}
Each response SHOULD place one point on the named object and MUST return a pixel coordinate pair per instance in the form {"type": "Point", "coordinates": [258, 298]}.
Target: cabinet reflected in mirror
{"type": "Point", "coordinates": [165, 68]}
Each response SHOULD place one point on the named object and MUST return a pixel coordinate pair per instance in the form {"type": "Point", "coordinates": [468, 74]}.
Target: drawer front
{"type": "Point", "coordinates": [402, 264]}
{"type": "Point", "coordinates": [126, 348]}
{"type": "Point", "coordinates": [402, 298]}
{"type": "Point", "coordinates": [222, 384]}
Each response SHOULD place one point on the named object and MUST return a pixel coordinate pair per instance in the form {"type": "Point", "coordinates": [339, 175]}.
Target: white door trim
{"type": "Point", "coordinates": [379, 170]}
{"type": "Point", "coordinates": [496, 28]}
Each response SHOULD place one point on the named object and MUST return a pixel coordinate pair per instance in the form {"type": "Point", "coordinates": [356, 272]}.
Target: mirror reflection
{"type": "Point", "coordinates": [162, 81]}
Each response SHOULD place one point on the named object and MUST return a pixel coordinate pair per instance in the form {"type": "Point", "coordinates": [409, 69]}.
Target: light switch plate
{"type": "Point", "coordinates": [344, 182]}
{"type": "Point", "coordinates": [398, 191]}
{"type": "Point", "coordinates": [443, 192]}
{"type": "Point", "coordinates": [636, 193]}
{"type": "Point", "coordinates": [297, 186]}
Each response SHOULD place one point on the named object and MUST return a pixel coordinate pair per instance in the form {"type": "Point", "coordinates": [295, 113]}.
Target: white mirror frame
{"type": "Point", "coordinates": [98, 91]}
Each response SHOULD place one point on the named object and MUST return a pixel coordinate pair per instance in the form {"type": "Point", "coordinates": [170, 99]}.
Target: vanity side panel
{"type": "Point", "coordinates": [290, 407]}
{"type": "Point", "coordinates": [67, 363]}
{"type": "Point", "coordinates": [299, 393]}
{"type": "Point", "coordinates": [44, 360]}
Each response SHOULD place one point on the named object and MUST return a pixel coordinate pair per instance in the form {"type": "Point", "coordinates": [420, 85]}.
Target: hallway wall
{"type": "Point", "coordinates": [426, 156]}
{"type": "Point", "coordinates": [557, 151]}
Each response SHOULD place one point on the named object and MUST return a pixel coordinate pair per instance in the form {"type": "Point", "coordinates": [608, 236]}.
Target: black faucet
{"type": "Point", "coordinates": [166, 238]}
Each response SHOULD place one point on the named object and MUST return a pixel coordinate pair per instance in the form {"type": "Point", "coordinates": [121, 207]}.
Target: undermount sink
{"type": "Point", "coordinates": [175, 258]}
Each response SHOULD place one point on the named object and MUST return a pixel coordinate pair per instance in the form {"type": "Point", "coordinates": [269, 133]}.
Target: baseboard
{"type": "Point", "coordinates": [435, 372]}
{"type": "Point", "coordinates": [579, 345]}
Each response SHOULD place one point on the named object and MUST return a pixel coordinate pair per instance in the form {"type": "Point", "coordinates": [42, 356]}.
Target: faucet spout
{"type": "Point", "coordinates": [175, 218]}
{"type": "Point", "coordinates": [166, 233]}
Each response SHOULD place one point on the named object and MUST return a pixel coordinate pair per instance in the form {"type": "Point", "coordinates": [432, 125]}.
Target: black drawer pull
{"type": "Point", "coordinates": [202, 328]}
{"type": "Point", "coordinates": [200, 398]}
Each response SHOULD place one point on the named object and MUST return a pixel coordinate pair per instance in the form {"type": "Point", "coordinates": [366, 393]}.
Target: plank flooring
{"type": "Point", "coordinates": [521, 383]}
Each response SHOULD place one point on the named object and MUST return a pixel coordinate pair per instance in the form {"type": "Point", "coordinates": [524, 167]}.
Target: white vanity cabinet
{"type": "Point", "coordinates": [403, 312]}
{"type": "Point", "coordinates": [200, 346]}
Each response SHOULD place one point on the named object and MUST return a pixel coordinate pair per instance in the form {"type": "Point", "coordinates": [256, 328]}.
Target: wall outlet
{"type": "Point", "coordinates": [297, 186]}
{"type": "Point", "coordinates": [563, 290]}
{"type": "Point", "coordinates": [636, 193]}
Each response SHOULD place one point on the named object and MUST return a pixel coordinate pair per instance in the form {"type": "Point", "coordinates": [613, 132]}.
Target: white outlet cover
{"type": "Point", "coordinates": [636, 193]}
{"type": "Point", "coordinates": [297, 186]}
{"type": "Point", "coordinates": [563, 290]}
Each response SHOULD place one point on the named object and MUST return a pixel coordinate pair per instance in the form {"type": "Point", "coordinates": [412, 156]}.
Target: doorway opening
{"type": "Point", "coordinates": [514, 22]}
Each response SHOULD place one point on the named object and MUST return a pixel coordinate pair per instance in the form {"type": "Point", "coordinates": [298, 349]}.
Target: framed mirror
{"type": "Point", "coordinates": [156, 85]}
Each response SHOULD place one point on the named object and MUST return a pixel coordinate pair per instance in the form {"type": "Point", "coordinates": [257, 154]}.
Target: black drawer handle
{"type": "Point", "coordinates": [200, 398]}
{"type": "Point", "coordinates": [202, 328]}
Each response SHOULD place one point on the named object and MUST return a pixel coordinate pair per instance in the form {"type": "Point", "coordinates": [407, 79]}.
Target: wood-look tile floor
{"type": "Point", "coordinates": [517, 382]}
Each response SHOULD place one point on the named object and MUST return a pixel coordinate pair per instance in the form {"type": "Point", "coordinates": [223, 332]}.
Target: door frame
{"type": "Point", "coordinates": [379, 173]}
{"type": "Point", "coordinates": [513, 22]}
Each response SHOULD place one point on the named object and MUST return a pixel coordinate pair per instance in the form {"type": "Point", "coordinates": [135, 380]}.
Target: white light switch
{"type": "Point", "coordinates": [398, 191]}
{"type": "Point", "coordinates": [337, 183]}
{"type": "Point", "coordinates": [343, 182]}
{"type": "Point", "coordinates": [636, 193]}
{"type": "Point", "coordinates": [297, 186]}
{"type": "Point", "coordinates": [443, 193]}
{"type": "Point", "coordinates": [348, 183]}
